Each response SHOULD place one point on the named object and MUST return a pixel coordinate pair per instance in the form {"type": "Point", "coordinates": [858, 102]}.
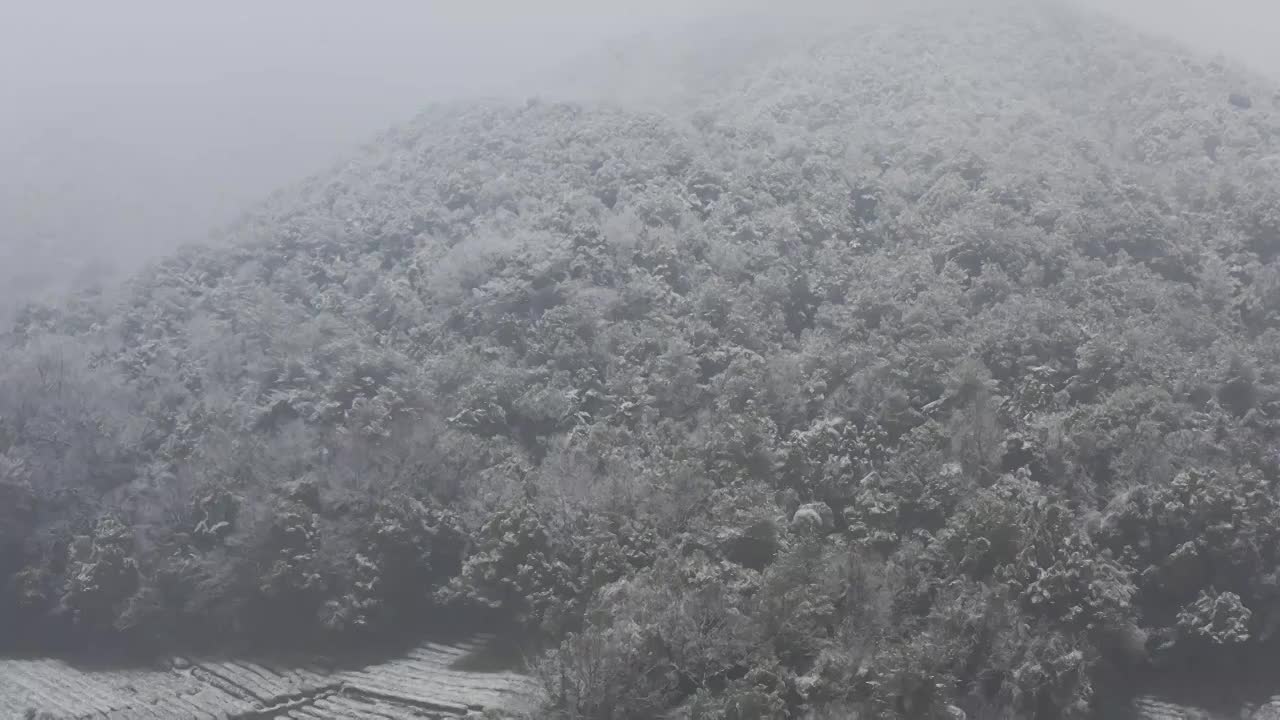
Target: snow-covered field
{"type": "Point", "coordinates": [425, 682]}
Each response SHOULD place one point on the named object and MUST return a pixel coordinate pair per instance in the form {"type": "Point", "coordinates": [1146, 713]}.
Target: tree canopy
{"type": "Point", "coordinates": [933, 366]}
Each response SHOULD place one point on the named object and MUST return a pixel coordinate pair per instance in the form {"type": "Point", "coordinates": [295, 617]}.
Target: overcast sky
{"type": "Point", "coordinates": [127, 120]}
{"type": "Point", "coordinates": [1246, 30]}
{"type": "Point", "coordinates": [133, 125]}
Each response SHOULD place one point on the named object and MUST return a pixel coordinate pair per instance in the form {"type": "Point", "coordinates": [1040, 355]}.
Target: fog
{"type": "Point", "coordinates": [1244, 30]}
{"type": "Point", "coordinates": [130, 127]}
{"type": "Point", "coordinates": [929, 368]}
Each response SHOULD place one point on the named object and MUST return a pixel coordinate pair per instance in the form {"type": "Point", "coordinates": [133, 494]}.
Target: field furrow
{"type": "Point", "coordinates": [424, 682]}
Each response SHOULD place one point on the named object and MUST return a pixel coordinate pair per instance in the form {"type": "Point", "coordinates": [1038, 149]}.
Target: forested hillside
{"type": "Point", "coordinates": [933, 366]}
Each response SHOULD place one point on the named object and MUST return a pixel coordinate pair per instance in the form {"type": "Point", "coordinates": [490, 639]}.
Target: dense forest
{"type": "Point", "coordinates": [930, 368]}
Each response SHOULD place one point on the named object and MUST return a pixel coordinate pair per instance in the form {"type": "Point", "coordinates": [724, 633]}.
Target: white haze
{"type": "Point", "coordinates": [130, 127]}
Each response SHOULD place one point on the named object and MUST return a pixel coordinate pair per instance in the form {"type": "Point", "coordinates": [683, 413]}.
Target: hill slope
{"type": "Point", "coordinates": [911, 367]}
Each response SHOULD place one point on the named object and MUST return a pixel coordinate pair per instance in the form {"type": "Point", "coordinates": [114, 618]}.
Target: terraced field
{"type": "Point", "coordinates": [429, 681]}
{"type": "Point", "coordinates": [1151, 707]}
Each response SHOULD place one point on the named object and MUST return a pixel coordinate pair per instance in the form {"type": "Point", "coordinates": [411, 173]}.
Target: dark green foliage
{"type": "Point", "coordinates": [1203, 548]}
{"type": "Point", "coordinates": [1215, 619]}
{"type": "Point", "coordinates": [889, 508]}
{"type": "Point", "coordinates": [539, 564]}
{"type": "Point", "coordinates": [521, 566]}
{"type": "Point", "coordinates": [101, 574]}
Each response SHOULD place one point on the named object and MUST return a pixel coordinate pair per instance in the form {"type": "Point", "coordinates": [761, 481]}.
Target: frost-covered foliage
{"type": "Point", "coordinates": [932, 368]}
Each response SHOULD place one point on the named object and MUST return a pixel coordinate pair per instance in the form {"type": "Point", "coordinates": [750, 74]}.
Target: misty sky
{"type": "Point", "coordinates": [130, 126]}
